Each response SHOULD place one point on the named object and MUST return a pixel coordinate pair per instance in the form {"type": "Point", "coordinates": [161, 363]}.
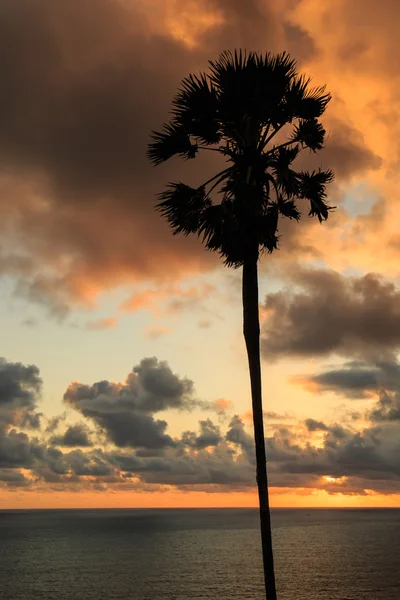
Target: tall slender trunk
{"type": "Point", "coordinates": [251, 331]}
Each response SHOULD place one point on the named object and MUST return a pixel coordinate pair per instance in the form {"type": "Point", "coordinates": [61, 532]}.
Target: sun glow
{"type": "Point", "coordinates": [338, 480]}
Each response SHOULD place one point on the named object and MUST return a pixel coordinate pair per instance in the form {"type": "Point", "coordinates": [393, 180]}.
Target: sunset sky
{"type": "Point", "coordinates": [124, 380]}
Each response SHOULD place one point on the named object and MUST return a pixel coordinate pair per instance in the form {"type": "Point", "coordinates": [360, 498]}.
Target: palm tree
{"type": "Point", "coordinates": [238, 109]}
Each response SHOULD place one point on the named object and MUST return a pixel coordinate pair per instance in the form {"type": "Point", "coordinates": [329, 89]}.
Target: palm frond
{"type": "Point", "coordinates": [285, 177]}
{"type": "Point", "coordinates": [275, 73]}
{"type": "Point", "coordinates": [211, 228]}
{"type": "Point", "coordinates": [313, 188]}
{"type": "Point", "coordinates": [313, 104]}
{"type": "Point", "coordinates": [220, 233]}
{"type": "Point", "coordinates": [227, 64]}
{"type": "Point", "coordinates": [287, 208]}
{"type": "Point", "coordinates": [283, 157]}
{"type": "Point", "coordinates": [304, 102]}
{"type": "Point", "coordinates": [310, 133]}
{"type": "Point", "coordinates": [295, 94]}
{"type": "Point", "coordinates": [251, 86]}
{"type": "Point", "coordinates": [167, 143]}
{"type": "Point", "coordinates": [195, 108]}
{"type": "Point", "coordinates": [281, 63]}
{"type": "Point", "coordinates": [183, 206]}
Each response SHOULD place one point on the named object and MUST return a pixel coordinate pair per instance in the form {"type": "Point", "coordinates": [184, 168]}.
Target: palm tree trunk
{"type": "Point", "coordinates": [251, 330]}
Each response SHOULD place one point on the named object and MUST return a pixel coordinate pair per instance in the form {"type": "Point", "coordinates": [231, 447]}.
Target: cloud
{"type": "Point", "coordinates": [85, 209]}
{"type": "Point", "coordinates": [78, 211]}
{"type": "Point", "coordinates": [357, 460]}
{"type": "Point", "coordinates": [168, 299]}
{"type": "Point", "coordinates": [17, 449]}
{"type": "Point", "coordinates": [20, 387]}
{"type": "Point", "coordinates": [345, 461]}
{"type": "Point", "coordinates": [83, 464]}
{"type": "Point", "coordinates": [210, 435]}
{"type": "Point", "coordinates": [74, 436]}
{"type": "Point", "coordinates": [387, 408]}
{"type": "Point", "coordinates": [329, 313]}
{"type": "Point", "coordinates": [13, 478]}
{"type": "Point", "coordinates": [181, 469]}
{"type": "Point", "coordinates": [238, 435]}
{"type": "Point", "coordinates": [140, 455]}
{"type": "Point", "coordinates": [313, 425]}
{"type": "Point", "coordinates": [125, 410]}
{"type": "Point", "coordinates": [53, 423]}
{"type": "Point", "coordinates": [354, 379]}
{"type": "Point", "coordinates": [222, 406]}
{"type": "Point", "coordinates": [269, 415]}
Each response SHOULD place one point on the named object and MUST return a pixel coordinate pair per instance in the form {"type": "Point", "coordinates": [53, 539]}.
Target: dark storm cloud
{"type": "Point", "coordinates": [83, 83]}
{"type": "Point", "coordinates": [126, 425]}
{"type": "Point", "coordinates": [125, 411]}
{"type": "Point", "coordinates": [13, 478]}
{"type": "Point", "coordinates": [313, 425]}
{"type": "Point", "coordinates": [387, 408]}
{"type": "Point", "coordinates": [75, 435]}
{"type": "Point", "coordinates": [354, 379]}
{"type": "Point", "coordinates": [20, 387]}
{"type": "Point", "coordinates": [344, 151]}
{"type": "Point", "coordinates": [353, 383]}
{"type": "Point", "coordinates": [357, 460]}
{"type": "Point", "coordinates": [17, 449]}
{"type": "Point", "coordinates": [238, 435]}
{"type": "Point", "coordinates": [177, 468]}
{"type": "Point", "coordinates": [151, 386]}
{"type": "Point", "coordinates": [92, 464]}
{"type": "Point", "coordinates": [54, 422]}
{"type": "Point", "coordinates": [369, 455]}
{"type": "Point", "coordinates": [210, 435]}
{"type": "Point", "coordinates": [332, 314]}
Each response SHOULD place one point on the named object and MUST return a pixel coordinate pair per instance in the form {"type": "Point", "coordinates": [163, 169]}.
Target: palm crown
{"type": "Point", "coordinates": [237, 109]}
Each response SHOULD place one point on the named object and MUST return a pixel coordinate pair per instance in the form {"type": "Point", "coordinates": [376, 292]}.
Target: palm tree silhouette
{"type": "Point", "coordinates": [237, 109]}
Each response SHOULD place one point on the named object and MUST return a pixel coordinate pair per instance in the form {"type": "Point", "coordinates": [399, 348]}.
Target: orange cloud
{"type": "Point", "coordinates": [102, 324]}
{"type": "Point", "coordinates": [167, 299]}
{"type": "Point", "coordinates": [185, 22]}
{"type": "Point", "coordinates": [79, 195]}
{"type": "Point", "coordinates": [222, 404]}
{"type": "Point", "coordinates": [306, 383]}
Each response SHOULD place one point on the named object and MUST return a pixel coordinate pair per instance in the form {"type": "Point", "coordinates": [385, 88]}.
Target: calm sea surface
{"type": "Point", "coordinates": [197, 554]}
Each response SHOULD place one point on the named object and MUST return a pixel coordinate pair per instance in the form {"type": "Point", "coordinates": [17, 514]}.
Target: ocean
{"type": "Point", "coordinates": [197, 554]}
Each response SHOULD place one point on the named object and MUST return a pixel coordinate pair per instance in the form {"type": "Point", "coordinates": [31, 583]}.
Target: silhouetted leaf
{"type": "Point", "coordinates": [310, 133]}
{"type": "Point", "coordinates": [285, 177]}
{"type": "Point", "coordinates": [288, 208]}
{"type": "Point", "coordinates": [195, 108]}
{"type": "Point", "coordinates": [170, 141]}
{"type": "Point", "coordinates": [182, 206]}
{"type": "Point", "coordinates": [313, 104]}
{"type": "Point", "coordinates": [313, 188]}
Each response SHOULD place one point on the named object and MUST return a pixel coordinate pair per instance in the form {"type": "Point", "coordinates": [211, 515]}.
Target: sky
{"type": "Point", "coordinates": [124, 376]}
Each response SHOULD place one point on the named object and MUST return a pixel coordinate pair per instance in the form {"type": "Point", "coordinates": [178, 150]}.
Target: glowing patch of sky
{"type": "Point", "coordinates": [359, 199]}
{"type": "Point", "coordinates": [212, 356]}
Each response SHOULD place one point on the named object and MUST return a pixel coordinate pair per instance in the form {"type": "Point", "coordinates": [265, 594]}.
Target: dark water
{"type": "Point", "coordinates": [197, 554]}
